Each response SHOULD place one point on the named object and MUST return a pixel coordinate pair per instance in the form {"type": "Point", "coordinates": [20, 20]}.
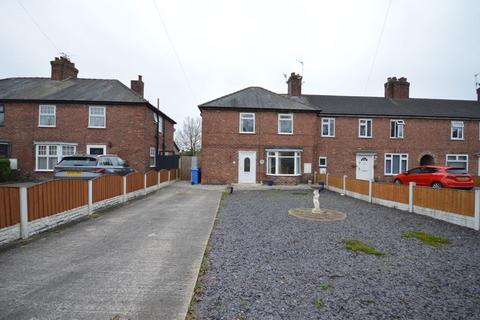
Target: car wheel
{"type": "Point", "coordinates": [397, 181]}
{"type": "Point", "coordinates": [437, 185]}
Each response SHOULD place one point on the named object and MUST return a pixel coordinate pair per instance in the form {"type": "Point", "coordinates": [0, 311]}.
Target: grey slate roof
{"type": "Point", "coordinates": [262, 99]}
{"type": "Point", "coordinates": [71, 90]}
{"type": "Point", "coordinates": [45, 89]}
{"type": "Point", "coordinates": [380, 106]}
{"type": "Point", "coordinates": [257, 98]}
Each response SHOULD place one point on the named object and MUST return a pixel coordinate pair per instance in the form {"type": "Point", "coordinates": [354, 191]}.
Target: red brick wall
{"type": "Point", "coordinates": [130, 132]}
{"type": "Point", "coordinates": [222, 141]}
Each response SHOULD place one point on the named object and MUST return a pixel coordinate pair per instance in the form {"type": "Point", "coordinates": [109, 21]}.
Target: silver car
{"type": "Point", "coordinates": [90, 166]}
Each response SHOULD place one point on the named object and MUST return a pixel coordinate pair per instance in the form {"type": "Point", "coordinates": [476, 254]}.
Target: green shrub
{"type": "Point", "coordinates": [4, 169]}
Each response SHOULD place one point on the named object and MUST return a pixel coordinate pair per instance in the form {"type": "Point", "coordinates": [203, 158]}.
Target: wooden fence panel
{"type": "Point", "coordinates": [390, 191]}
{"type": "Point", "coordinates": [173, 174]}
{"type": "Point", "coordinates": [152, 178]}
{"type": "Point", "coordinates": [457, 201]}
{"type": "Point", "coordinates": [56, 196]}
{"type": "Point", "coordinates": [106, 187]}
{"type": "Point", "coordinates": [163, 175]}
{"type": "Point", "coordinates": [9, 206]}
{"type": "Point", "coordinates": [335, 181]}
{"type": "Point", "coordinates": [322, 178]}
{"type": "Point", "coordinates": [358, 186]}
{"type": "Point", "coordinates": [134, 181]}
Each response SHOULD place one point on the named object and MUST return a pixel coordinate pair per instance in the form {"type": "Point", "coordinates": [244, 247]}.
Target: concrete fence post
{"type": "Point", "coordinates": [124, 188]}
{"type": "Point", "coordinates": [90, 196]}
{"type": "Point", "coordinates": [169, 177]}
{"type": "Point", "coordinates": [145, 183]}
{"type": "Point", "coordinates": [326, 179]}
{"type": "Point", "coordinates": [23, 212]}
{"type": "Point", "coordinates": [158, 177]}
{"type": "Point", "coordinates": [370, 191]}
{"type": "Point", "coordinates": [344, 184]}
{"type": "Point", "coordinates": [476, 224]}
{"type": "Point", "coordinates": [411, 186]}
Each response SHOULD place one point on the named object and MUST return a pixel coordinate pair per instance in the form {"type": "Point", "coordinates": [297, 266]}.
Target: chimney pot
{"type": "Point", "coordinates": [294, 84]}
{"type": "Point", "coordinates": [137, 85]}
{"type": "Point", "coordinates": [63, 68]}
{"type": "Point", "coordinates": [397, 88]}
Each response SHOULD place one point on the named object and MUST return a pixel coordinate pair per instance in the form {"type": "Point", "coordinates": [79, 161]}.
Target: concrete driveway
{"type": "Point", "coordinates": [138, 261]}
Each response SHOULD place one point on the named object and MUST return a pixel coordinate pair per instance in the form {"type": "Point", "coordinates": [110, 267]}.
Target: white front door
{"type": "Point", "coordinates": [364, 167]}
{"type": "Point", "coordinates": [247, 166]}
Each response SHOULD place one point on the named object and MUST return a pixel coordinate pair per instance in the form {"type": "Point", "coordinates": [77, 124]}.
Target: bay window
{"type": "Point", "coordinates": [283, 163]}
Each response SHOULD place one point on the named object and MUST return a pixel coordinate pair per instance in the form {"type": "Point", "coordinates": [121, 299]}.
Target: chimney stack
{"type": "Point", "coordinates": [63, 68]}
{"type": "Point", "coordinates": [137, 86]}
{"type": "Point", "coordinates": [397, 88]}
{"type": "Point", "coordinates": [294, 84]}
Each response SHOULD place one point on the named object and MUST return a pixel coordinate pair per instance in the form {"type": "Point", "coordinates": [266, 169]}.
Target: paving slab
{"type": "Point", "coordinates": [138, 261]}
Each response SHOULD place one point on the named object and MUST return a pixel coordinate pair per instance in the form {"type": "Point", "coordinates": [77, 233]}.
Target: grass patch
{"type": "Point", "coordinates": [318, 303]}
{"type": "Point", "coordinates": [325, 286]}
{"type": "Point", "coordinates": [426, 238]}
{"type": "Point", "coordinates": [356, 245]}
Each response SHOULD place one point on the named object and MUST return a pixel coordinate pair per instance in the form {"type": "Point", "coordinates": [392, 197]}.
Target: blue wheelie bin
{"type": "Point", "coordinates": [195, 175]}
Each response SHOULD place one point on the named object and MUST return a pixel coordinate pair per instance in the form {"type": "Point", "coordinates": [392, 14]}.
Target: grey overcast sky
{"type": "Point", "coordinates": [224, 46]}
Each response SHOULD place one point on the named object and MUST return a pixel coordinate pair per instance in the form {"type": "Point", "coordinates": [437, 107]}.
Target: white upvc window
{"type": "Point", "coordinates": [158, 119]}
{"type": "Point", "coordinates": [322, 162]}
{"type": "Point", "coordinates": [47, 116]}
{"type": "Point", "coordinates": [328, 127]}
{"type": "Point", "coordinates": [456, 130]}
{"type": "Point", "coordinates": [395, 163]}
{"type": "Point", "coordinates": [247, 122]}
{"type": "Point", "coordinates": [153, 158]}
{"type": "Point", "coordinates": [397, 128]}
{"type": "Point", "coordinates": [48, 155]}
{"type": "Point", "coordinates": [457, 160]}
{"type": "Point", "coordinates": [97, 117]}
{"type": "Point", "coordinates": [96, 149]}
{"type": "Point", "coordinates": [364, 128]}
{"type": "Point", "coordinates": [285, 123]}
{"type": "Point", "coordinates": [283, 163]}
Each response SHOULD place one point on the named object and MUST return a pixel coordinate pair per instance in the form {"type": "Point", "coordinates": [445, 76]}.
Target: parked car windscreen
{"type": "Point", "coordinates": [78, 162]}
{"type": "Point", "coordinates": [456, 170]}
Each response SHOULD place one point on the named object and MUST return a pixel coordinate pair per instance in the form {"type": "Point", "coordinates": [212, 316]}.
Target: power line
{"type": "Point", "coordinates": [174, 51]}
{"type": "Point", "coordinates": [38, 26]}
{"type": "Point", "coordinates": [378, 47]}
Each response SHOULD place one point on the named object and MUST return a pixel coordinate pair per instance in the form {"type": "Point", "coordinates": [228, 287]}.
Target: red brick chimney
{"type": "Point", "coordinates": [294, 84]}
{"type": "Point", "coordinates": [137, 85]}
{"type": "Point", "coordinates": [63, 68]}
{"type": "Point", "coordinates": [397, 88]}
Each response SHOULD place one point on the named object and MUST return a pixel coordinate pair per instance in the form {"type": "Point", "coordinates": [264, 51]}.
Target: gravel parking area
{"type": "Point", "coordinates": [265, 264]}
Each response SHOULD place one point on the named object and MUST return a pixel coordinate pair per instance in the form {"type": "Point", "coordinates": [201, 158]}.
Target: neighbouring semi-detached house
{"type": "Point", "coordinates": [255, 135]}
{"type": "Point", "coordinates": [44, 119]}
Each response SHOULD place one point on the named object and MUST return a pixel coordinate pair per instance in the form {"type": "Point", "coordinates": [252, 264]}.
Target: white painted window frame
{"type": "Point", "coordinates": [59, 154]}
{"type": "Point", "coordinates": [330, 122]}
{"type": "Point", "coordinates": [90, 108]}
{"type": "Point", "coordinates": [457, 125]}
{"type": "Point", "coordinates": [320, 160]}
{"type": "Point", "coordinates": [364, 122]}
{"type": "Point", "coordinates": [158, 118]}
{"type": "Point", "coordinates": [290, 118]}
{"type": "Point", "coordinates": [40, 114]}
{"type": "Point", "coordinates": [297, 163]}
{"type": "Point", "coordinates": [240, 118]}
{"type": "Point", "coordinates": [402, 157]}
{"type": "Point", "coordinates": [457, 155]}
{"type": "Point", "coordinates": [397, 123]}
{"type": "Point", "coordinates": [90, 146]}
{"type": "Point", "coordinates": [152, 155]}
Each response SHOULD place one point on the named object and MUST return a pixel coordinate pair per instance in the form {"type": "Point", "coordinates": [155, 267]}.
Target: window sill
{"type": "Point", "coordinates": [327, 136]}
{"type": "Point", "coordinates": [396, 138]}
{"type": "Point", "coordinates": [364, 137]}
{"type": "Point", "coordinates": [286, 133]}
{"type": "Point", "coordinates": [247, 132]}
{"type": "Point", "coordinates": [39, 170]}
{"type": "Point", "coordinates": [47, 126]}
{"type": "Point", "coordinates": [284, 175]}
{"type": "Point", "coordinates": [454, 139]}
{"type": "Point", "coordinates": [89, 127]}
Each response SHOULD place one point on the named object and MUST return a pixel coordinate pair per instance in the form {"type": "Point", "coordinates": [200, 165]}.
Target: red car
{"type": "Point", "coordinates": [437, 177]}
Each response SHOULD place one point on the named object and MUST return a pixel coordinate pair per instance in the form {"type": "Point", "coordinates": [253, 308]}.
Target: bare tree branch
{"type": "Point", "coordinates": [189, 138]}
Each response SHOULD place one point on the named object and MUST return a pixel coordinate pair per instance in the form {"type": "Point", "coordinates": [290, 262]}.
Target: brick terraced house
{"type": "Point", "coordinates": [44, 119]}
{"type": "Point", "coordinates": [255, 135]}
